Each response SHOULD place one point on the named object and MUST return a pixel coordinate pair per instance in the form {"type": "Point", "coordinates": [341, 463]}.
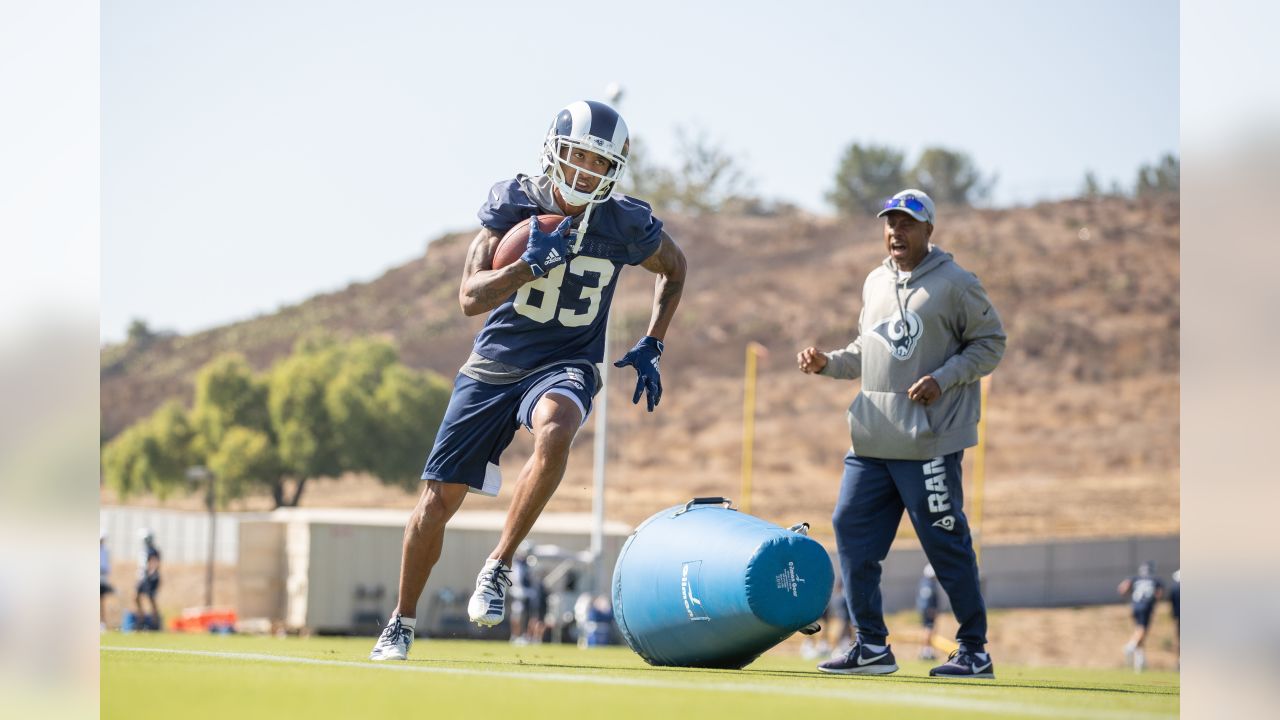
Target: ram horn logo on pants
{"type": "Point", "coordinates": [947, 523]}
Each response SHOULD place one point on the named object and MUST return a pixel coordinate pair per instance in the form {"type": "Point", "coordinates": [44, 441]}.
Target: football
{"type": "Point", "coordinates": [513, 244]}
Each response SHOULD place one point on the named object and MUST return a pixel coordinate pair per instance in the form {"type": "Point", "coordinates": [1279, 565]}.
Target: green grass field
{"type": "Point", "coordinates": [238, 677]}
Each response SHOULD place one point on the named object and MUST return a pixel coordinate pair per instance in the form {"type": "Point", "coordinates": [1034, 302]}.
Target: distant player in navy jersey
{"type": "Point", "coordinates": [148, 580]}
{"type": "Point", "coordinates": [1144, 590]}
{"type": "Point", "coordinates": [534, 362]}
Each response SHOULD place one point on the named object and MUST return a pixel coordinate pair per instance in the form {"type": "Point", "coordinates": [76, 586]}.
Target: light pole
{"type": "Point", "coordinates": [599, 573]}
{"type": "Point", "coordinates": [195, 475]}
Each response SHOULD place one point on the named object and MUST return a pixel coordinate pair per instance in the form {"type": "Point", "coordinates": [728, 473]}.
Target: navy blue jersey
{"type": "Point", "coordinates": [561, 316]}
{"type": "Point", "coordinates": [1143, 590]}
{"type": "Point", "coordinates": [144, 557]}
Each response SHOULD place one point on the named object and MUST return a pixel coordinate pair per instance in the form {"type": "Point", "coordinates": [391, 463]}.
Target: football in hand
{"type": "Point", "coordinates": [513, 244]}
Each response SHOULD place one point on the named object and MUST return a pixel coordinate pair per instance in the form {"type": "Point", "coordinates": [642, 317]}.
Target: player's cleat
{"type": "Point", "coordinates": [394, 642]}
{"type": "Point", "coordinates": [488, 603]}
{"type": "Point", "coordinates": [964, 664]}
{"type": "Point", "coordinates": [861, 660]}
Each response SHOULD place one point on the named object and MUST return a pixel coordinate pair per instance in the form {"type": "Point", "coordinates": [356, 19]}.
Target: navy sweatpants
{"type": "Point", "coordinates": [873, 494]}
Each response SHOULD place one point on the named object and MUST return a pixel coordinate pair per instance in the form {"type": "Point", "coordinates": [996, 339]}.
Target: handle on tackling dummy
{"type": "Point", "coordinates": [706, 501]}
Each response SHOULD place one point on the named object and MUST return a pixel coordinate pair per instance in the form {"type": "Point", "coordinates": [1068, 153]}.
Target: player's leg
{"type": "Point", "coordinates": [554, 422]}
{"type": "Point", "coordinates": [934, 496]}
{"type": "Point", "coordinates": [1142, 617]}
{"type": "Point", "coordinates": [477, 426]}
{"type": "Point", "coordinates": [866, 519]}
{"type": "Point", "coordinates": [424, 539]}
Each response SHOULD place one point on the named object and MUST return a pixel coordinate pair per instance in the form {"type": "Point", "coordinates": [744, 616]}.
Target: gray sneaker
{"type": "Point", "coordinates": [861, 661]}
{"type": "Point", "coordinates": [963, 664]}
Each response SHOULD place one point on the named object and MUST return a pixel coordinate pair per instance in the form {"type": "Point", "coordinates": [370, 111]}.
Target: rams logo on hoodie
{"type": "Point", "coordinates": [899, 333]}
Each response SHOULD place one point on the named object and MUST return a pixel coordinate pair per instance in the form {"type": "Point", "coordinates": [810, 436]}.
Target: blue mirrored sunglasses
{"type": "Point", "coordinates": [909, 202]}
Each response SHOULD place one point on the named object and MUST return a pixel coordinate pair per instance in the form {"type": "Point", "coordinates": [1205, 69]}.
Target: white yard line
{"type": "Point", "coordinates": [859, 694]}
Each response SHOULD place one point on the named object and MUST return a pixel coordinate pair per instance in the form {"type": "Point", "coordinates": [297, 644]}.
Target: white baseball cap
{"type": "Point", "coordinates": [913, 202]}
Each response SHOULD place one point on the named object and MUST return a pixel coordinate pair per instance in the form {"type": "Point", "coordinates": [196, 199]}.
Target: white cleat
{"type": "Point", "coordinates": [394, 642]}
{"type": "Point", "coordinates": [488, 605]}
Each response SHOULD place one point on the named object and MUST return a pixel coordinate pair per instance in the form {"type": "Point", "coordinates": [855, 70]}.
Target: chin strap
{"type": "Point", "coordinates": [582, 230]}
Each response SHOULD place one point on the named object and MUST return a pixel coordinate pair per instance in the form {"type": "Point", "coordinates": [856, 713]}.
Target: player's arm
{"type": "Point", "coordinates": [669, 264]}
{"type": "Point", "coordinates": [484, 288]}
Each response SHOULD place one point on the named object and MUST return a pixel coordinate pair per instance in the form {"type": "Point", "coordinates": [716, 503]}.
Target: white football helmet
{"type": "Point", "coordinates": [592, 126]}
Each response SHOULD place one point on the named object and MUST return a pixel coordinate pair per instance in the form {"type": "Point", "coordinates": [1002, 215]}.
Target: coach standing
{"type": "Point", "coordinates": [926, 334]}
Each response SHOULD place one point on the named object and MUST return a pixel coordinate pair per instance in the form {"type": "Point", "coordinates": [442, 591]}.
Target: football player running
{"type": "Point", "coordinates": [1144, 591]}
{"type": "Point", "coordinates": [533, 363]}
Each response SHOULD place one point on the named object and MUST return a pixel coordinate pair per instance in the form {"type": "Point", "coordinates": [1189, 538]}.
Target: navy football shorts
{"type": "Point", "coordinates": [1142, 614]}
{"type": "Point", "coordinates": [482, 418]}
{"type": "Point", "coordinates": [149, 585]}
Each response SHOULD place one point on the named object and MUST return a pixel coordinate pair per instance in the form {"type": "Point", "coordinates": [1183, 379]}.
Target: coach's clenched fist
{"type": "Point", "coordinates": [811, 361]}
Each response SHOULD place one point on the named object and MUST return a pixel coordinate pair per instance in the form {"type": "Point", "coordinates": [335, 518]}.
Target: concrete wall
{"type": "Point", "coordinates": [1049, 574]}
{"type": "Point", "coordinates": [182, 536]}
{"type": "Point", "coordinates": [338, 571]}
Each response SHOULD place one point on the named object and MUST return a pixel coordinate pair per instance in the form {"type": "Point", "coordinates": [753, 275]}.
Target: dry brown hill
{"type": "Point", "coordinates": [1083, 415]}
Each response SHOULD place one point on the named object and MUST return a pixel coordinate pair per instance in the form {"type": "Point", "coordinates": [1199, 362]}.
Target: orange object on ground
{"type": "Point", "coordinates": [204, 619]}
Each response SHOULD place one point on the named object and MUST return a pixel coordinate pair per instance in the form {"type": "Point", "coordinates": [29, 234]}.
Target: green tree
{"type": "Point", "coordinates": [351, 404]}
{"type": "Point", "coordinates": [410, 407]}
{"type": "Point", "coordinates": [1162, 177]}
{"type": "Point", "coordinates": [327, 409]}
{"type": "Point", "coordinates": [949, 176]}
{"type": "Point", "coordinates": [228, 394]}
{"type": "Point", "coordinates": [305, 433]}
{"type": "Point", "coordinates": [245, 460]}
{"type": "Point", "coordinates": [866, 176]}
{"type": "Point", "coordinates": [152, 455]}
{"type": "Point", "coordinates": [139, 332]}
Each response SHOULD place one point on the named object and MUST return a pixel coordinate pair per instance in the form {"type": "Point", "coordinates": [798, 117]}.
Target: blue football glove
{"type": "Point", "coordinates": [644, 358]}
{"type": "Point", "coordinates": [546, 250]}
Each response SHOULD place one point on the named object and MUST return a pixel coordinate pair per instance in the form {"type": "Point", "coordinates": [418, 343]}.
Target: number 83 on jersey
{"type": "Point", "coordinates": [549, 288]}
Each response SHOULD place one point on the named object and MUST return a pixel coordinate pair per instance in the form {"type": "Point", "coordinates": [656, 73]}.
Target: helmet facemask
{"type": "Point", "coordinates": [555, 162]}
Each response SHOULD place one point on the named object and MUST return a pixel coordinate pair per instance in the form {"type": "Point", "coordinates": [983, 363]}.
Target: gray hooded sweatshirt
{"type": "Point", "coordinates": [937, 322]}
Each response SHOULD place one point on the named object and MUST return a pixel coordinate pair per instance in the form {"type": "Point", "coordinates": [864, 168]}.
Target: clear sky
{"type": "Point", "coordinates": [255, 154]}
